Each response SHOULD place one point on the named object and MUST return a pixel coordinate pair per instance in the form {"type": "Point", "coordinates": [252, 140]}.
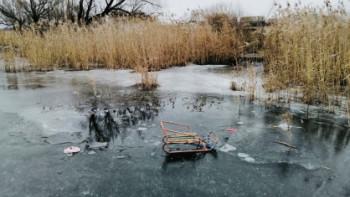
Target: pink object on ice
{"type": "Point", "coordinates": [231, 130]}
{"type": "Point", "coordinates": [71, 149]}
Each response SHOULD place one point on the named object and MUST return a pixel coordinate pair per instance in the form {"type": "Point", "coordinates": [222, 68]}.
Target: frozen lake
{"type": "Point", "coordinates": [42, 113]}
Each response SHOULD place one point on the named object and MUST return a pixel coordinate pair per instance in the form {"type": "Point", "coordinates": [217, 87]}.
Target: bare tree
{"type": "Point", "coordinates": [85, 8]}
{"type": "Point", "coordinates": [58, 14]}
{"type": "Point", "coordinates": [90, 9]}
{"type": "Point", "coordinates": [137, 6]}
{"type": "Point", "coordinates": [25, 12]}
{"type": "Point", "coordinates": [37, 10]}
{"type": "Point", "coordinates": [12, 14]}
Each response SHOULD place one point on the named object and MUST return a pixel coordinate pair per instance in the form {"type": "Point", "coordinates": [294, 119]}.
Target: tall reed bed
{"type": "Point", "coordinates": [6, 37]}
{"type": "Point", "coordinates": [125, 43]}
{"type": "Point", "coordinates": [309, 48]}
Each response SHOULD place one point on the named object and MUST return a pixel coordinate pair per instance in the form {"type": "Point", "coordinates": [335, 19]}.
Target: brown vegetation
{"type": "Point", "coordinates": [148, 80]}
{"type": "Point", "coordinates": [235, 87]}
{"type": "Point", "coordinates": [129, 43]}
{"type": "Point", "coordinates": [309, 49]}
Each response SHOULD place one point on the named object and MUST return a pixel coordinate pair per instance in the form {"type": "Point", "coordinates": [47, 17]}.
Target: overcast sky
{"type": "Point", "coordinates": [249, 7]}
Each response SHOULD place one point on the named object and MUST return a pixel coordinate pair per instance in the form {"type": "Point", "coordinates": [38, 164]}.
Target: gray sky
{"type": "Point", "coordinates": [249, 7]}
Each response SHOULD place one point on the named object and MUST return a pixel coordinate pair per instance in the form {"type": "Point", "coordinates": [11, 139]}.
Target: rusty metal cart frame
{"type": "Point", "coordinates": [171, 136]}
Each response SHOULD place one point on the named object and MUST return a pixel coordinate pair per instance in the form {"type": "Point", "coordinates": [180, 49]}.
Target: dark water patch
{"type": "Point", "coordinates": [12, 81]}
{"type": "Point", "coordinates": [241, 66]}
{"type": "Point", "coordinates": [182, 158]}
{"type": "Point", "coordinates": [16, 81]}
{"type": "Point", "coordinates": [223, 70]}
{"type": "Point", "coordinates": [318, 130]}
{"type": "Point", "coordinates": [347, 191]}
{"type": "Point", "coordinates": [327, 130]}
{"type": "Point", "coordinates": [12, 87]}
{"type": "Point", "coordinates": [196, 103]}
{"type": "Point", "coordinates": [36, 80]}
{"type": "Point", "coordinates": [18, 86]}
{"type": "Point", "coordinates": [64, 137]}
{"type": "Point", "coordinates": [34, 86]}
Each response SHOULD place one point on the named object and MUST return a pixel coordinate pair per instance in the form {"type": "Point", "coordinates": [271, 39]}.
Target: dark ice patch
{"type": "Point", "coordinates": [65, 137]}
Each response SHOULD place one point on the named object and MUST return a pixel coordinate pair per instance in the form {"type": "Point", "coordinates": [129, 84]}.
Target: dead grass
{"type": "Point", "coordinates": [125, 43]}
{"type": "Point", "coordinates": [6, 37]}
{"type": "Point", "coordinates": [235, 87]}
{"type": "Point", "coordinates": [252, 82]}
{"type": "Point", "coordinates": [148, 80]}
{"type": "Point", "coordinates": [309, 48]}
{"type": "Point", "coordinates": [288, 118]}
{"type": "Point", "coordinates": [9, 61]}
{"type": "Point", "coordinates": [145, 79]}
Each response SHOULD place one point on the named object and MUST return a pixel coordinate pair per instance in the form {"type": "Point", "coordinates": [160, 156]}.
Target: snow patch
{"type": "Point", "coordinates": [227, 148]}
{"type": "Point", "coordinates": [242, 155]}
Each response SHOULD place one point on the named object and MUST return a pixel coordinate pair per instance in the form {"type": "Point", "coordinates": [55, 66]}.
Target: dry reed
{"type": "Point", "coordinates": [288, 118]}
{"type": "Point", "coordinates": [125, 43]}
{"type": "Point", "coordinates": [309, 48]}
